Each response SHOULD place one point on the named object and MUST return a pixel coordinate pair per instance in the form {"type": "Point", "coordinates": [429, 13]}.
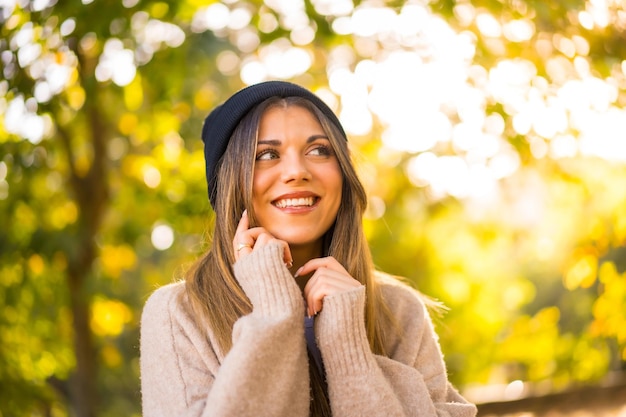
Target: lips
{"type": "Point", "coordinates": [295, 202]}
{"type": "Point", "coordinates": [300, 200]}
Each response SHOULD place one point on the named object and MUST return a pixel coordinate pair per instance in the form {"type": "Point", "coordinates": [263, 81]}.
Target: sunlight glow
{"type": "Point", "coordinates": [28, 53]}
{"type": "Point", "coordinates": [7, 8]}
{"type": "Point", "coordinates": [247, 40]}
{"type": "Point", "coordinates": [409, 75]}
{"type": "Point", "coordinates": [22, 119]}
{"type": "Point", "coordinates": [451, 175]}
{"type": "Point", "coordinates": [228, 62]}
{"type": "Point", "coordinates": [23, 37]}
{"type": "Point", "coordinates": [286, 7]}
{"type": "Point", "coordinates": [514, 390]}
{"type": "Point", "coordinates": [433, 95]}
{"type": "Point", "coordinates": [276, 60]}
{"type": "Point", "coordinates": [519, 30]}
{"type": "Point", "coordinates": [465, 13]}
{"type": "Point", "coordinates": [369, 21]}
{"type": "Point", "coordinates": [563, 146]}
{"type": "Point", "coordinates": [57, 78]}
{"type": "Point", "coordinates": [602, 135]}
{"type": "Point", "coordinates": [505, 163]}
{"type": "Point", "coordinates": [252, 72]}
{"type": "Point", "coordinates": [286, 63]}
{"type": "Point", "coordinates": [267, 22]}
{"type": "Point", "coordinates": [156, 32]}
{"type": "Point", "coordinates": [162, 237]}
{"type": "Point", "coordinates": [302, 35]}
{"type": "Point", "coordinates": [151, 176]}
{"type": "Point", "coordinates": [68, 26]}
{"type": "Point", "coordinates": [333, 7]}
{"type": "Point", "coordinates": [214, 17]}
{"type": "Point", "coordinates": [488, 25]}
{"type": "Point", "coordinates": [375, 208]}
{"type": "Point", "coordinates": [116, 63]}
{"type": "Point", "coordinates": [153, 35]}
{"type": "Point", "coordinates": [239, 18]}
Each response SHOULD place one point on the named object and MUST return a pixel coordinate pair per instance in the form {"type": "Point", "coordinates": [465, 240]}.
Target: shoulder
{"type": "Point", "coordinates": [165, 306]}
{"type": "Point", "coordinates": [168, 314]}
{"type": "Point", "coordinates": [410, 313]}
{"type": "Point", "coordinates": [165, 297]}
{"type": "Point", "coordinates": [400, 298]}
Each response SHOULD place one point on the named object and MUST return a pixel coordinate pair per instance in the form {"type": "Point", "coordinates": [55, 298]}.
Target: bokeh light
{"type": "Point", "coordinates": [162, 236]}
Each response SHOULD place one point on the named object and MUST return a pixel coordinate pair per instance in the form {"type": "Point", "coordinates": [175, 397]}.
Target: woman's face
{"type": "Point", "coordinates": [297, 182]}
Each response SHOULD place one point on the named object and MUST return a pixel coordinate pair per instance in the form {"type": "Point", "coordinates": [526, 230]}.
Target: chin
{"type": "Point", "coordinates": [297, 239]}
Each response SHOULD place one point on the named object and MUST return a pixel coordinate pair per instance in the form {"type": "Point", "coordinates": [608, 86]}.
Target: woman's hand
{"type": "Point", "coordinates": [330, 278]}
{"type": "Point", "coordinates": [248, 239]}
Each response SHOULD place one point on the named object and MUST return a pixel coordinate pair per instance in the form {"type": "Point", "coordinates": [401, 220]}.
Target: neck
{"type": "Point", "coordinates": [301, 254]}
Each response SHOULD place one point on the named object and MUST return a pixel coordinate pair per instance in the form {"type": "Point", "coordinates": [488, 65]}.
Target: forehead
{"type": "Point", "coordinates": [285, 106]}
{"type": "Point", "coordinates": [289, 118]}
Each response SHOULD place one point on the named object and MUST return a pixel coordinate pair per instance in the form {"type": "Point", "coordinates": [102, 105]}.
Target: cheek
{"type": "Point", "coordinates": [259, 185]}
{"type": "Point", "coordinates": [337, 185]}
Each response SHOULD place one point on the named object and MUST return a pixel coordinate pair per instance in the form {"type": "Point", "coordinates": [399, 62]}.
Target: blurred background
{"type": "Point", "coordinates": [490, 134]}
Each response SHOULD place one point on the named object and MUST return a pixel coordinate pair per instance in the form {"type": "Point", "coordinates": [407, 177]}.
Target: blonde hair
{"type": "Point", "coordinates": [215, 294]}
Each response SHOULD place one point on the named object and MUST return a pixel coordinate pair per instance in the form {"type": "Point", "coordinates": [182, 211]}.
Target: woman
{"type": "Point", "coordinates": [284, 316]}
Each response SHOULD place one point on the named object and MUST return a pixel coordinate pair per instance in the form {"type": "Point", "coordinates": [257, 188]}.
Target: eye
{"type": "Point", "coordinates": [321, 150]}
{"type": "Point", "coordinates": [267, 154]}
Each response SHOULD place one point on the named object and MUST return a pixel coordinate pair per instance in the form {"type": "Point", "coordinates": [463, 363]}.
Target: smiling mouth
{"type": "Point", "coordinates": [296, 202]}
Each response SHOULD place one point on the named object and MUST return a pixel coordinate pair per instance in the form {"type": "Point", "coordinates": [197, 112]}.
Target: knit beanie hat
{"type": "Point", "coordinates": [222, 121]}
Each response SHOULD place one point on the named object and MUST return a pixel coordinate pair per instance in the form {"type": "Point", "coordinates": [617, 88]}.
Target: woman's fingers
{"type": "Point", "coordinates": [330, 277]}
{"type": "Point", "coordinates": [317, 263]}
{"type": "Point", "coordinates": [243, 242]}
{"type": "Point", "coordinates": [247, 239]}
{"type": "Point", "coordinates": [262, 238]}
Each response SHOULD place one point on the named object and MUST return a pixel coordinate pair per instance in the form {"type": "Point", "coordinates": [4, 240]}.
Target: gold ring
{"type": "Point", "coordinates": [240, 246]}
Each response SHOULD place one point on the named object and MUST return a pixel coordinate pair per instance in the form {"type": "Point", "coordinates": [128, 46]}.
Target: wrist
{"type": "Point", "coordinates": [267, 282]}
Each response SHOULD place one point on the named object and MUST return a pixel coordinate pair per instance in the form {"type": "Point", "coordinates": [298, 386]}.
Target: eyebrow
{"type": "Point", "coordinates": [276, 142]}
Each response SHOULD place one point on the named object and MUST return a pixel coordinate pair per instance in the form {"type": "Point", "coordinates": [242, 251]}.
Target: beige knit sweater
{"type": "Point", "coordinates": [183, 373]}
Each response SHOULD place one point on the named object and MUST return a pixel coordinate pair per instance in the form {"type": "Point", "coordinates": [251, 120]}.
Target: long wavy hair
{"type": "Point", "coordinates": [217, 298]}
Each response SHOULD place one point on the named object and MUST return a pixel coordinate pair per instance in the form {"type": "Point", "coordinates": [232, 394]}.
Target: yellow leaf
{"type": "Point", "coordinates": [111, 356]}
{"type": "Point", "coordinates": [75, 97]}
{"type": "Point", "coordinates": [115, 259]}
{"type": "Point", "coordinates": [63, 215]}
{"type": "Point", "coordinates": [127, 123]}
{"type": "Point", "coordinates": [582, 273]}
{"type": "Point", "coordinates": [108, 317]}
{"type": "Point", "coordinates": [159, 9]}
{"type": "Point", "coordinates": [133, 94]}
{"type": "Point", "coordinates": [204, 98]}
{"type": "Point", "coordinates": [36, 264]}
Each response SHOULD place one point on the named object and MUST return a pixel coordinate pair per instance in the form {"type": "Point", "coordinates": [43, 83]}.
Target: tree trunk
{"type": "Point", "coordinates": [91, 194]}
{"type": "Point", "coordinates": [83, 388]}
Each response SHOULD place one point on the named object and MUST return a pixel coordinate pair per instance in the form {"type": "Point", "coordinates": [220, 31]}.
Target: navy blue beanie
{"type": "Point", "coordinates": [222, 121]}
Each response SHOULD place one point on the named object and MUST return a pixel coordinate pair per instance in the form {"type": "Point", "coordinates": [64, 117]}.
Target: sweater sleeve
{"type": "Point", "coordinates": [411, 382]}
{"type": "Point", "coordinates": [265, 373]}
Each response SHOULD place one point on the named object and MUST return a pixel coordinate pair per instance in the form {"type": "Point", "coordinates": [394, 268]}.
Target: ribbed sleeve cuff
{"type": "Point", "coordinates": [341, 334]}
{"type": "Point", "coordinates": [267, 282]}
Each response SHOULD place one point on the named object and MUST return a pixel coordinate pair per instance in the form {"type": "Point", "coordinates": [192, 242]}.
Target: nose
{"type": "Point", "coordinates": [294, 169]}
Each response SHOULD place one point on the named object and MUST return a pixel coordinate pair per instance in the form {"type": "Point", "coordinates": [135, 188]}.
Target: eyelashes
{"type": "Point", "coordinates": [271, 153]}
{"type": "Point", "coordinates": [267, 154]}
{"type": "Point", "coordinates": [323, 150]}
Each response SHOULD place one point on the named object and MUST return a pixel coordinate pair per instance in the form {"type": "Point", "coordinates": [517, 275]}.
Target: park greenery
{"type": "Point", "coordinates": [489, 134]}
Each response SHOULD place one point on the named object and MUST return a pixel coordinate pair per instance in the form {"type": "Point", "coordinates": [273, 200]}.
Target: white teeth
{"type": "Point", "coordinates": [295, 202]}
